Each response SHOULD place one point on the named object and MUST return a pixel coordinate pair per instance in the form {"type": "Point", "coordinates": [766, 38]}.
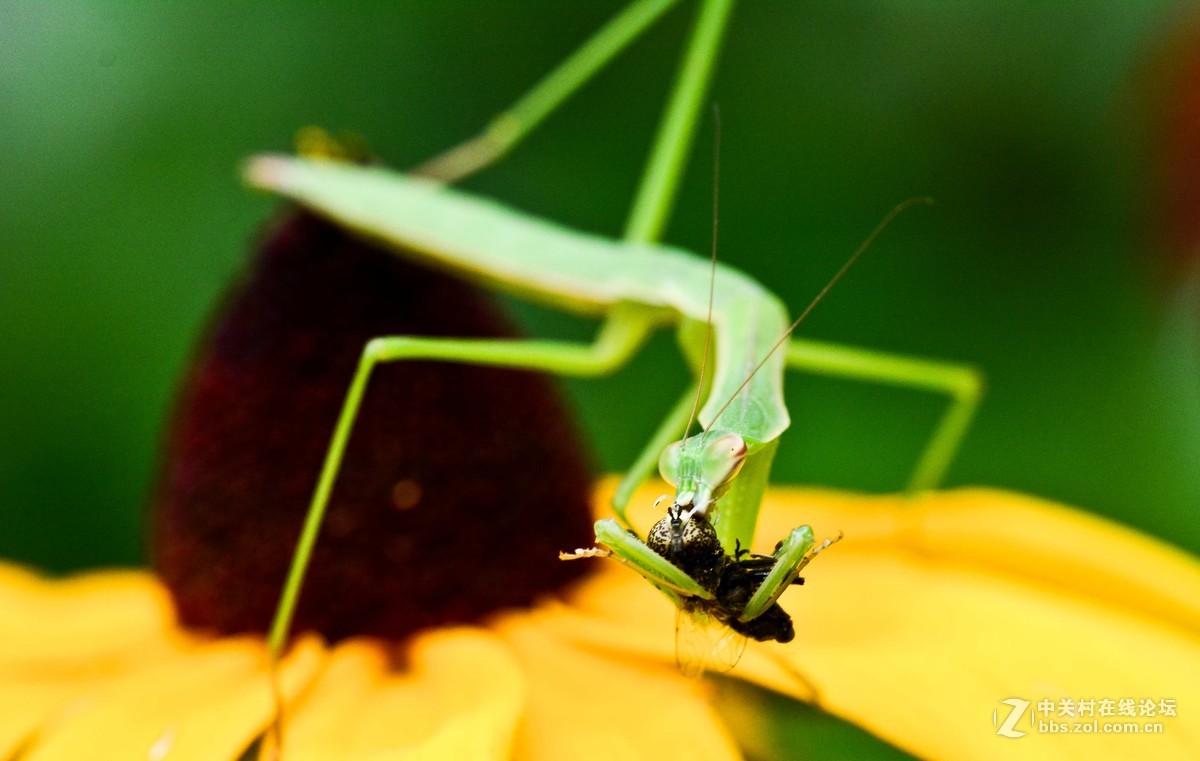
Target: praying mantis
{"type": "Point", "coordinates": [635, 286]}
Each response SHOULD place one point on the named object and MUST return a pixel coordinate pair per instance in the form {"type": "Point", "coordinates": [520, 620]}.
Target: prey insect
{"type": "Point", "coordinates": [711, 634]}
{"type": "Point", "coordinates": [635, 286]}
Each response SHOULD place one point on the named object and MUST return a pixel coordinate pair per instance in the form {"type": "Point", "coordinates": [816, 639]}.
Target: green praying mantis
{"type": "Point", "coordinates": [696, 555]}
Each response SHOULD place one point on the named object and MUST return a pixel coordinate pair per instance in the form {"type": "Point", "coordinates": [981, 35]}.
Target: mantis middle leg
{"type": "Point", "coordinates": [963, 383]}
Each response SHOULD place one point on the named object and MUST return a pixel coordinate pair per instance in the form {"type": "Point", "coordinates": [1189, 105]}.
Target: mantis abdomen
{"type": "Point", "coordinates": [486, 242]}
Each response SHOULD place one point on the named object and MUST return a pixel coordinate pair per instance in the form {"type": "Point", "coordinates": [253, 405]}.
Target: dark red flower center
{"type": "Point", "coordinates": [459, 487]}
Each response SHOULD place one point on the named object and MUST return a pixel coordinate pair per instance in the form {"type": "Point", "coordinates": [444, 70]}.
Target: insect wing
{"type": "Point", "coordinates": [702, 643]}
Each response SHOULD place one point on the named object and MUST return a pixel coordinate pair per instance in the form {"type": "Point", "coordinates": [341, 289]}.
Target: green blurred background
{"type": "Point", "coordinates": [122, 219]}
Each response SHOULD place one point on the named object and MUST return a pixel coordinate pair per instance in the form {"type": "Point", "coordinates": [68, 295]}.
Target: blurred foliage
{"type": "Point", "coordinates": [123, 221]}
{"type": "Point", "coordinates": [770, 726]}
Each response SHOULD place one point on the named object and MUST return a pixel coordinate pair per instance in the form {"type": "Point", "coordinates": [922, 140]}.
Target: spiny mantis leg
{"type": "Point", "coordinates": [507, 128]}
{"type": "Point", "coordinates": [963, 383]}
{"type": "Point", "coordinates": [794, 552]}
{"type": "Point", "coordinates": [625, 330]}
{"type": "Point", "coordinates": [656, 569]}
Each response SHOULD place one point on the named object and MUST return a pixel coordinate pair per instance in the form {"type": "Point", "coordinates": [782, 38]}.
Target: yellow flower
{"type": "Point", "coordinates": [916, 627]}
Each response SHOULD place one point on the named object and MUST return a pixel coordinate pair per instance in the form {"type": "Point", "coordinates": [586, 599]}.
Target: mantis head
{"type": "Point", "coordinates": [701, 467]}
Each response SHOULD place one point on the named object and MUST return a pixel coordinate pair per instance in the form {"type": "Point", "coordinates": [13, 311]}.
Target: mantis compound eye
{"type": "Point", "coordinates": [668, 463]}
{"type": "Point", "coordinates": [722, 458]}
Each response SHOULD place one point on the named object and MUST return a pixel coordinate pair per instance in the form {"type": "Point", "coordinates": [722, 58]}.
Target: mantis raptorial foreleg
{"type": "Point", "coordinates": [793, 553]}
{"type": "Point", "coordinates": [963, 383]}
{"type": "Point", "coordinates": [660, 572]}
{"type": "Point", "coordinates": [622, 334]}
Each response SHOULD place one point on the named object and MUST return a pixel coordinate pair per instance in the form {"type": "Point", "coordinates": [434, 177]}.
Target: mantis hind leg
{"type": "Point", "coordinates": [962, 383]}
{"type": "Point", "coordinates": [622, 334]}
{"type": "Point", "coordinates": [507, 128]}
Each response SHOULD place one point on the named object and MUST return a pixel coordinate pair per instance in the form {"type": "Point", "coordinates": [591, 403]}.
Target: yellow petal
{"type": "Point", "coordinates": [587, 706]}
{"type": "Point", "coordinates": [109, 616]}
{"type": "Point", "coordinates": [459, 695]}
{"type": "Point", "coordinates": [934, 610]}
{"type": "Point", "coordinates": [63, 638]}
{"type": "Point", "coordinates": [1010, 534]}
{"type": "Point", "coordinates": [208, 702]}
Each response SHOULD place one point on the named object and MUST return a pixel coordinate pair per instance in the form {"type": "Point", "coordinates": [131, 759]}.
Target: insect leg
{"type": "Point", "coordinates": [660, 179]}
{"type": "Point", "coordinates": [507, 128]}
{"type": "Point", "coordinates": [962, 383]}
{"type": "Point", "coordinates": [758, 565]}
{"type": "Point", "coordinates": [621, 335]}
{"type": "Point", "coordinates": [656, 569]}
{"type": "Point", "coordinates": [791, 556]}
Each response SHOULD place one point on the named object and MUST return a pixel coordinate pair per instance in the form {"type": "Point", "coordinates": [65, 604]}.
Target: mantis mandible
{"type": "Point", "coordinates": [635, 286]}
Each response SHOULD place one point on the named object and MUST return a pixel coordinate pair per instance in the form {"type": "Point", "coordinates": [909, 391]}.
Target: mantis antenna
{"type": "Point", "coordinates": [712, 280]}
{"type": "Point", "coordinates": [879, 228]}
